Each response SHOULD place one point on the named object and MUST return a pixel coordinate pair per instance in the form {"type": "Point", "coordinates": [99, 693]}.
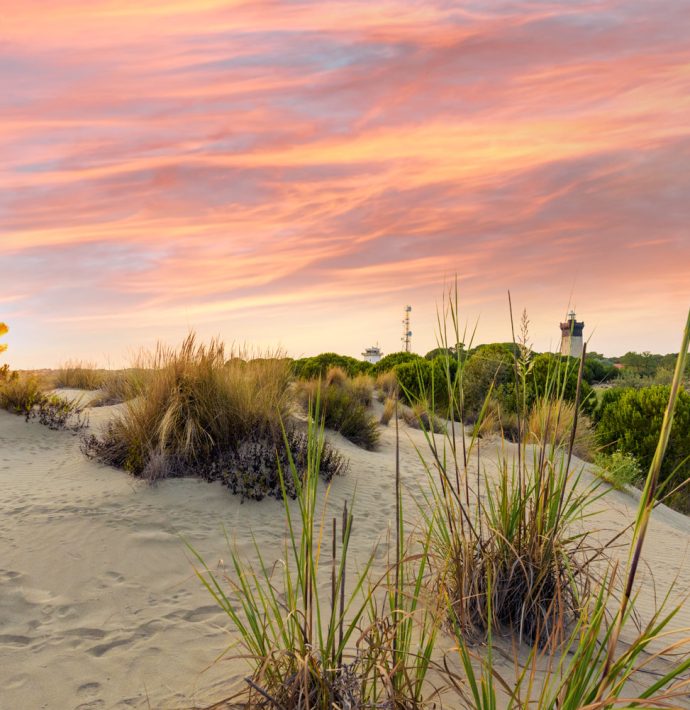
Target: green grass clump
{"type": "Point", "coordinates": [345, 406]}
{"type": "Point", "coordinates": [352, 643]}
{"type": "Point", "coordinates": [514, 560]}
{"type": "Point", "coordinates": [201, 413]}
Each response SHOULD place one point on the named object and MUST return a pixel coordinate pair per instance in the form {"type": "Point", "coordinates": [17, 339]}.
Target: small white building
{"type": "Point", "coordinates": [372, 354]}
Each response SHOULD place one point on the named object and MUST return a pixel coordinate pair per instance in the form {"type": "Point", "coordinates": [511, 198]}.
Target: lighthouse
{"type": "Point", "coordinates": [571, 336]}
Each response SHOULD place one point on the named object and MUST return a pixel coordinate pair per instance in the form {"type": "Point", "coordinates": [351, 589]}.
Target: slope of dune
{"type": "Point", "coordinates": [100, 607]}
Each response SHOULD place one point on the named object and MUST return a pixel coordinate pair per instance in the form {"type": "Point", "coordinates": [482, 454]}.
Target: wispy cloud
{"type": "Point", "coordinates": [297, 171]}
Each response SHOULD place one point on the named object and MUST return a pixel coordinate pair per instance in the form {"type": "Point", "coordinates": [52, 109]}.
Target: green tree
{"type": "Point", "coordinates": [309, 368]}
{"type": "Point", "coordinates": [390, 361]}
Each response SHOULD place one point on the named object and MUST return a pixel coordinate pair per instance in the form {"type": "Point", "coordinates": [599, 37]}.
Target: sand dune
{"type": "Point", "coordinates": [99, 605]}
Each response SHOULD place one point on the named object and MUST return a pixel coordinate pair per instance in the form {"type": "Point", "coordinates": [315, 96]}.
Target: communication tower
{"type": "Point", "coordinates": [407, 333]}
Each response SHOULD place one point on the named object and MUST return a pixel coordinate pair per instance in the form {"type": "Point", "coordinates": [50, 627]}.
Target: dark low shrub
{"type": "Point", "coordinates": [250, 469]}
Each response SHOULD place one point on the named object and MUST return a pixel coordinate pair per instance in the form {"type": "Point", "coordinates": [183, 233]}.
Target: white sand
{"type": "Point", "coordinates": [99, 607]}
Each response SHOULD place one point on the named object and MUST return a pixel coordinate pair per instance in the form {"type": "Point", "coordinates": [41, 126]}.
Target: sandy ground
{"type": "Point", "coordinates": [99, 605]}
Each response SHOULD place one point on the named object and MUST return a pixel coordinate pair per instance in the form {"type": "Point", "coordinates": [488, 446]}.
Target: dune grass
{"type": "Point", "coordinates": [342, 649]}
{"type": "Point", "coordinates": [504, 556]}
{"type": "Point", "coordinates": [76, 374]}
{"type": "Point", "coordinates": [202, 412]}
{"type": "Point", "coordinates": [550, 422]}
{"type": "Point", "coordinates": [512, 558]}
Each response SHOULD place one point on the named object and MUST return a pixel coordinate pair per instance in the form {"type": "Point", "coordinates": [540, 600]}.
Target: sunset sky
{"type": "Point", "coordinates": [292, 174]}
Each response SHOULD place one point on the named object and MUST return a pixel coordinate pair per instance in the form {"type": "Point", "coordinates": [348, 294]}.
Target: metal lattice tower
{"type": "Point", "coordinates": [407, 333]}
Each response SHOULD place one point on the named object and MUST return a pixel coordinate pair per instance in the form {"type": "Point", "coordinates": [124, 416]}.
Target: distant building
{"type": "Point", "coordinates": [571, 336]}
{"type": "Point", "coordinates": [372, 354]}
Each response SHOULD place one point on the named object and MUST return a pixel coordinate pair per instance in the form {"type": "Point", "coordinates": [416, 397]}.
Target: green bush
{"type": "Point", "coordinates": [608, 397]}
{"type": "Point", "coordinates": [630, 421]}
{"type": "Point", "coordinates": [598, 369]}
{"type": "Point", "coordinates": [389, 362]}
{"type": "Point", "coordinates": [310, 368]}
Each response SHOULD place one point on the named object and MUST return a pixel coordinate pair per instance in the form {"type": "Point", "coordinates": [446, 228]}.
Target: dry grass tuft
{"type": "Point", "coordinates": [550, 423]}
{"type": "Point", "coordinates": [200, 412]}
{"type": "Point", "coordinates": [79, 375]}
{"type": "Point", "coordinates": [387, 385]}
{"type": "Point", "coordinates": [344, 407]}
{"type": "Point", "coordinates": [421, 416]}
{"type": "Point", "coordinates": [336, 377]}
{"type": "Point", "coordinates": [388, 411]}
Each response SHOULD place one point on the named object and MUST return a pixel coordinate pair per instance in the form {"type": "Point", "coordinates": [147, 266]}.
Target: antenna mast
{"type": "Point", "coordinates": [407, 333]}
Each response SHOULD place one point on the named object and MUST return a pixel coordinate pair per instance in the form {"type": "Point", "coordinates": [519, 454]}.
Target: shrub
{"type": "Point", "coordinates": [389, 362]}
{"type": "Point", "coordinates": [630, 421]}
{"type": "Point", "coordinates": [488, 366]}
{"type": "Point", "coordinates": [608, 397]}
{"type": "Point", "coordinates": [203, 414]}
{"type": "Point", "coordinates": [25, 396]}
{"type": "Point", "coordinates": [618, 469]}
{"type": "Point", "coordinates": [342, 410]}
{"type": "Point", "coordinates": [310, 368]}
{"type": "Point", "coordinates": [19, 395]}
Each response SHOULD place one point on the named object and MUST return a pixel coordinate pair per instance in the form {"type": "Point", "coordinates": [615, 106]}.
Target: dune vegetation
{"type": "Point", "coordinates": [205, 412]}
{"type": "Point", "coordinates": [495, 562]}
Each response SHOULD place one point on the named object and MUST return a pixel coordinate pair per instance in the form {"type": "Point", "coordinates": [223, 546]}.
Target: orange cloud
{"type": "Point", "coordinates": [299, 170]}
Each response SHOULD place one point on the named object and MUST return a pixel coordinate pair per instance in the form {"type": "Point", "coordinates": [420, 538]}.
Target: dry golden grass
{"type": "Point", "coordinates": [75, 374]}
{"type": "Point", "coordinates": [387, 384]}
{"type": "Point", "coordinates": [551, 422]}
{"type": "Point", "coordinates": [195, 403]}
{"type": "Point", "coordinates": [388, 411]}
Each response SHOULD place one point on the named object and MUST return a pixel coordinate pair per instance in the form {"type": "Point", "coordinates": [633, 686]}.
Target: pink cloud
{"type": "Point", "coordinates": [298, 171]}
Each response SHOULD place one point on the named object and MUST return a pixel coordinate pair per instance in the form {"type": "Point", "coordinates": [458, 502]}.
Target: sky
{"type": "Point", "coordinates": [292, 174]}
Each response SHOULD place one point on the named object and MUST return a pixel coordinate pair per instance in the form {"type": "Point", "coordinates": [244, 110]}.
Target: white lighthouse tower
{"type": "Point", "coordinates": [571, 336]}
